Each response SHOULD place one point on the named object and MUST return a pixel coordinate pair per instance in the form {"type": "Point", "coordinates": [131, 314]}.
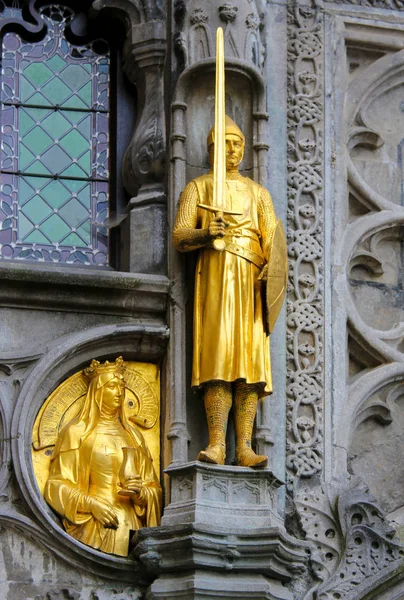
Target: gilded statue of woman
{"type": "Point", "coordinates": [84, 483]}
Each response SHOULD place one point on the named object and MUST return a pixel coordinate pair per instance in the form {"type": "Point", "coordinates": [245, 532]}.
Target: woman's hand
{"type": "Point", "coordinates": [135, 485]}
{"type": "Point", "coordinates": [103, 512]}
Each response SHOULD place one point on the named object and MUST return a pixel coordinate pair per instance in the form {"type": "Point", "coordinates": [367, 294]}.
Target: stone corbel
{"type": "Point", "coordinates": [143, 55]}
{"type": "Point", "coordinates": [143, 165]}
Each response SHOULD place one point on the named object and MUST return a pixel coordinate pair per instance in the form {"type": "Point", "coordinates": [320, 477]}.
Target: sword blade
{"type": "Point", "coordinates": [219, 164]}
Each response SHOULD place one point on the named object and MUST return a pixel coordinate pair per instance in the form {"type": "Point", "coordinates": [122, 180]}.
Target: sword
{"type": "Point", "coordinates": [219, 164]}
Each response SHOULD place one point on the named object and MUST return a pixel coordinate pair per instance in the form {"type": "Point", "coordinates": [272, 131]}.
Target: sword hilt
{"type": "Point", "coordinates": [219, 243]}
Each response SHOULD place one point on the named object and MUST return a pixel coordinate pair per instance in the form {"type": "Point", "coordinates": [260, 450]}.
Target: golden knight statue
{"type": "Point", "coordinates": [231, 221]}
{"type": "Point", "coordinates": [101, 479]}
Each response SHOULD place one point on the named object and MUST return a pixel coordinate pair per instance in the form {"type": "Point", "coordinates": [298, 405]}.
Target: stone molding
{"type": "Point", "coordinates": [269, 551]}
{"type": "Point", "coordinates": [369, 4]}
{"type": "Point", "coordinates": [305, 299]}
{"type": "Point", "coordinates": [83, 290]}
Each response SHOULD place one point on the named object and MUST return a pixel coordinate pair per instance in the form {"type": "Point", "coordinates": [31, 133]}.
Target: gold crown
{"type": "Point", "coordinates": [96, 368]}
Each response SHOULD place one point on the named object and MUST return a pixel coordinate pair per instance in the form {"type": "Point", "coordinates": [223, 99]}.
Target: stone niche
{"type": "Point", "coordinates": [200, 117]}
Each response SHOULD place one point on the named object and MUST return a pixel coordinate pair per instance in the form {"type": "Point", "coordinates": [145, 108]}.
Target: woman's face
{"type": "Point", "coordinates": [113, 393]}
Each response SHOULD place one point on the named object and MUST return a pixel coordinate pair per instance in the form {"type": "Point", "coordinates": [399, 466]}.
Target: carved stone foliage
{"type": "Point", "coordinates": [196, 24]}
{"type": "Point", "coordinates": [143, 55]}
{"type": "Point", "coordinates": [305, 240]}
{"type": "Point", "coordinates": [352, 547]}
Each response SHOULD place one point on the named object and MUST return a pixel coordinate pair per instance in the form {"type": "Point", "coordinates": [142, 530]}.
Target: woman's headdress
{"type": "Point", "coordinates": [104, 372]}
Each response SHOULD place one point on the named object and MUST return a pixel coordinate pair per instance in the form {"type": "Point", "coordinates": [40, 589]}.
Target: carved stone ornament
{"type": "Point", "coordinates": [352, 546]}
{"type": "Point", "coordinates": [199, 16]}
{"type": "Point", "coordinates": [306, 241]}
{"type": "Point", "coordinates": [195, 27]}
{"type": "Point", "coordinates": [228, 12]}
{"type": "Point", "coordinates": [252, 21]}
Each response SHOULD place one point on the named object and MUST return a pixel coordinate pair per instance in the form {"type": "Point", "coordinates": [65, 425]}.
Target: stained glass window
{"type": "Point", "coordinates": [54, 147]}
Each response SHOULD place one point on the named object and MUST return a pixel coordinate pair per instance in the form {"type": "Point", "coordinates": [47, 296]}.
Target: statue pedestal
{"type": "Point", "coordinates": [223, 496]}
{"type": "Point", "coordinates": [221, 537]}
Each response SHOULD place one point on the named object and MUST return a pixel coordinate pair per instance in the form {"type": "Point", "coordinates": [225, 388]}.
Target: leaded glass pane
{"type": "Point", "coordinates": [54, 149]}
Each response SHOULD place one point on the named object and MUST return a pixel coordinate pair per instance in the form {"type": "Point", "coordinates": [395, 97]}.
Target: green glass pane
{"type": "Point", "coordinates": [36, 209]}
{"type": "Point", "coordinates": [85, 127]}
{"type": "Point", "coordinates": [26, 89]}
{"type": "Point", "coordinates": [85, 232]}
{"type": "Point", "coordinates": [39, 100]}
{"type": "Point", "coordinates": [36, 237]}
{"type": "Point", "coordinates": [75, 76]}
{"type": "Point", "coordinates": [37, 73]}
{"type": "Point", "coordinates": [74, 213]}
{"type": "Point", "coordinates": [85, 197]}
{"type": "Point", "coordinates": [74, 240]}
{"type": "Point", "coordinates": [55, 159]}
{"type": "Point", "coordinates": [37, 113]}
{"type": "Point", "coordinates": [85, 93]}
{"type": "Point", "coordinates": [55, 228]}
{"type": "Point", "coordinates": [87, 67]}
{"type": "Point", "coordinates": [38, 141]}
{"type": "Point", "coordinates": [85, 161]}
{"type": "Point", "coordinates": [75, 116]}
{"type": "Point", "coordinates": [75, 171]}
{"type": "Point", "coordinates": [74, 143]}
{"type": "Point", "coordinates": [24, 226]}
{"type": "Point", "coordinates": [26, 157]}
{"type": "Point", "coordinates": [56, 91]}
{"type": "Point", "coordinates": [74, 185]}
{"type": "Point", "coordinates": [37, 168]}
{"type": "Point", "coordinates": [55, 194]}
{"type": "Point", "coordinates": [56, 63]}
{"type": "Point", "coordinates": [25, 122]}
{"type": "Point", "coordinates": [74, 102]}
{"type": "Point", "coordinates": [25, 192]}
{"type": "Point", "coordinates": [56, 124]}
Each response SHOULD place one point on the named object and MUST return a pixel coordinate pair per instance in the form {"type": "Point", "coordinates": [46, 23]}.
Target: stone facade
{"type": "Point", "coordinates": [318, 89]}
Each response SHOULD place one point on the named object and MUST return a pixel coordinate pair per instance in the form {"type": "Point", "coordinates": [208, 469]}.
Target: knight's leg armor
{"type": "Point", "coordinates": [218, 400]}
{"type": "Point", "coordinates": [245, 410]}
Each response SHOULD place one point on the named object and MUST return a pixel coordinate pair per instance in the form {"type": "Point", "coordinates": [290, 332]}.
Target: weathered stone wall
{"type": "Point", "coordinates": [318, 88]}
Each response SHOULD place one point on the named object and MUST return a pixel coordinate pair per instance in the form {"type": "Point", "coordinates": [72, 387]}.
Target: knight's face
{"type": "Point", "coordinates": [234, 151]}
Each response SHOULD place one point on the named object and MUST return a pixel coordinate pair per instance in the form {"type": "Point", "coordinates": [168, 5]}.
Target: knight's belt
{"type": "Point", "coordinates": [258, 260]}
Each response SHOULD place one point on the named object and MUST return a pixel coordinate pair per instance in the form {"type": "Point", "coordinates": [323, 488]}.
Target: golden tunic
{"type": "Point", "coordinates": [230, 340]}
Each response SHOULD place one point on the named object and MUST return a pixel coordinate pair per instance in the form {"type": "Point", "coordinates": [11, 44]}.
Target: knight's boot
{"type": "Point", "coordinates": [245, 410]}
{"type": "Point", "coordinates": [217, 399]}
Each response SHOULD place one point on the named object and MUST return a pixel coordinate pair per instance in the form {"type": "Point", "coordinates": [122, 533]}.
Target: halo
{"type": "Point", "coordinates": [141, 406]}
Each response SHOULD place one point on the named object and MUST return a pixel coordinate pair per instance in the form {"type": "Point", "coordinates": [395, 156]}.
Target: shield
{"type": "Point", "coordinates": [277, 277]}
